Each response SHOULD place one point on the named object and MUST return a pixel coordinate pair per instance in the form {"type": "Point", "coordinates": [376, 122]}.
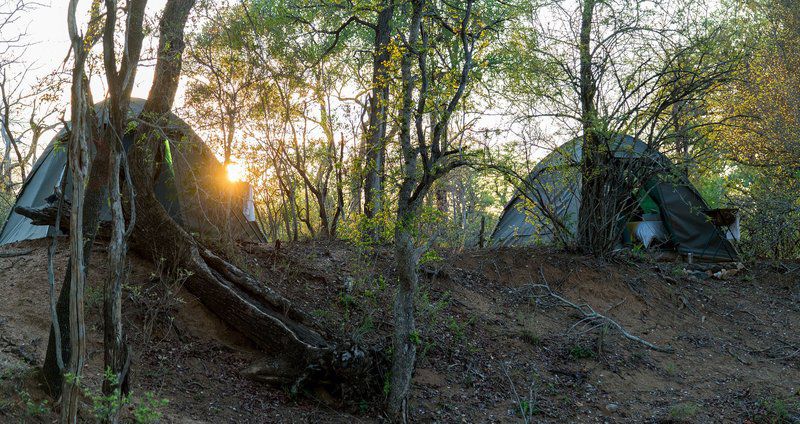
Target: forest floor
{"type": "Point", "coordinates": [493, 345]}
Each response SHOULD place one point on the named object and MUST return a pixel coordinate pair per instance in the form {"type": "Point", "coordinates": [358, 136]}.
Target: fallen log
{"type": "Point", "coordinates": [46, 215]}
{"type": "Point", "coordinates": [15, 254]}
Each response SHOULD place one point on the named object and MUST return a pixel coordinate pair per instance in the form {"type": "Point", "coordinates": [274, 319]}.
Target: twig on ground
{"type": "Point", "coordinates": [526, 407]}
{"type": "Point", "coordinates": [589, 315]}
{"type": "Point", "coordinates": [792, 355]}
{"type": "Point", "coordinates": [729, 348]}
{"type": "Point", "coordinates": [15, 254]}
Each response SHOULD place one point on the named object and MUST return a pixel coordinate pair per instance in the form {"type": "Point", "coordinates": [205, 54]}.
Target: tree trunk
{"type": "Point", "coordinates": [406, 258]}
{"type": "Point", "coordinates": [376, 134]}
{"type": "Point", "coordinates": [78, 160]}
{"type": "Point", "coordinates": [50, 369]}
{"type": "Point", "coordinates": [590, 219]}
{"type": "Point", "coordinates": [116, 354]}
{"type": "Point", "coordinates": [441, 200]}
{"type": "Point", "coordinates": [680, 116]}
{"type": "Point", "coordinates": [482, 233]}
{"type": "Point", "coordinates": [405, 335]}
{"type": "Point", "coordinates": [92, 204]}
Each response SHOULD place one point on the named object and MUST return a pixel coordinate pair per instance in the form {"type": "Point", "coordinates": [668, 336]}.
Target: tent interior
{"type": "Point", "coordinates": [666, 211]}
{"type": "Point", "coordinates": [191, 185]}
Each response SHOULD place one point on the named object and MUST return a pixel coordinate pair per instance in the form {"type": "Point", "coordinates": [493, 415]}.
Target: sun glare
{"type": "Point", "coordinates": [235, 172]}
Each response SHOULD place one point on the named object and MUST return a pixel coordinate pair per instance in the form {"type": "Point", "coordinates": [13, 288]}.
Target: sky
{"type": "Point", "coordinates": [46, 28]}
{"type": "Point", "coordinates": [45, 33]}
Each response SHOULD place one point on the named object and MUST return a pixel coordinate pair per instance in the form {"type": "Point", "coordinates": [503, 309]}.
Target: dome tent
{"type": "Point", "coordinates": [191, 185]}
{"type": "Point", "coordinates": [547, 211]}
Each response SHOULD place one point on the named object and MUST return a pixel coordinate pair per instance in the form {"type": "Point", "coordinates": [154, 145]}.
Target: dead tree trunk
{"type": "Point", "coordinates": [78, 160]}
{"type": "Point", "coordinates": [92, 203]}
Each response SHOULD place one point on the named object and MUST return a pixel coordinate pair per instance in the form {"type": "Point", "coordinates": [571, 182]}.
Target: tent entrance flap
{"type": "Point", "coordinates": [689, 227]}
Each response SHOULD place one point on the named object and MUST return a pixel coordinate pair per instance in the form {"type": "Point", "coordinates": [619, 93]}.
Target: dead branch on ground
{"type": "Point", "coordinates": [15, 254]}
{"type": "Point", "coordinates": [590, 316]}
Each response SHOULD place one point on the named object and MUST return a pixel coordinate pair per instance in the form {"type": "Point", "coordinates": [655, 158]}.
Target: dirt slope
{"type": "Point", "coordinates": [491, 346]}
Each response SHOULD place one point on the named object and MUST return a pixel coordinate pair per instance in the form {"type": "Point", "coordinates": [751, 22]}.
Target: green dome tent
{"type": "Point", "coordinates": [547, 212]}
{"type": "Point", "coordinates": [191, 185]}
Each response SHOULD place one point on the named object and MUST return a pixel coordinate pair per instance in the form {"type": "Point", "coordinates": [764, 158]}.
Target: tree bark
{"type": "Point", "coordinates": [482, 233]}
{"type": "Point", "coordinates": [116, 354]}
{"type": "Point", "coordinates": [376, 134]}
{"type": "Point", "coordinates": [406, 258]}
{"type": "Point", "coordinates": [78, 160]}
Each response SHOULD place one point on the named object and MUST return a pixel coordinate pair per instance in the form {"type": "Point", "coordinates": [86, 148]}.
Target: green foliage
{"type": "Point", "coordinates": [415, 337]}
{"type": "Point", "coordinates": [147, 410]}
{"type": "Point", "coordinates": [777, 410]}
{"type": "Point", "coordinates": [531, 338]}
{"type": "Point", "coordinates": [105, 407]}
{"type": "Point", "coordinates": [770, 211]}
{"type": "Point", "coordinates": [32, 408]}
{"type": "Point", "coordinates": [346, 300]}
{"type": "Point", "coordinates": [528, 408]}
{"type": "Point", "coordinates": [580, 351]}
{"type": "Point", "coordinates": [93, 296]}
{"type": "Point", "coordinates": [683, 411]}
{"type": "Point", "coordinates": [430, 310]}
{"type": "Point", "coordinates": [712, 187]}
{"type": "Point", "coordinates": [456, 329]}
{"type": "Point", "coordinates": [429, 257]}
{"type": "Point", "coordinates": [369, 232]}
{"type": "Point", "coordinates": [6, 203]}
{"type": "Point", "coordinates": [639, 252]}
{"type": "Point", "coordinates": [367, 326]}
{"type": "Point", "coordinates": [387, 384]}
{"type": "Point", "coordinates": [132, 126]}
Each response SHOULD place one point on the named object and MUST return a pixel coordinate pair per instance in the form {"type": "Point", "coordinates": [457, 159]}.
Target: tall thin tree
{"type": "Point", "coordinates": [78, 162]}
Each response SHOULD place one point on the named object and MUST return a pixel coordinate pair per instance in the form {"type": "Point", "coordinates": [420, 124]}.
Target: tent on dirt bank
{"type": "Point", "coordinates": [191, 185]}
{"type": "Point", "coordinates": [669, 211]}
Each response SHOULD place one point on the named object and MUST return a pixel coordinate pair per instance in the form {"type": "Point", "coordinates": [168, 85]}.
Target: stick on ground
{"type": "Point", "coordinates": [588, 314]}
